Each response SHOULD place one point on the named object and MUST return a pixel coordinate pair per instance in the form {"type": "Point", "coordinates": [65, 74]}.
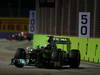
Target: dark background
{"type": "Point", "coordinates": [16, 8]}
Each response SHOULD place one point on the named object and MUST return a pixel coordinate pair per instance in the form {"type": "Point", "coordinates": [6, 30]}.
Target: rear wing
{"type": "Point", "coordinates": [59, 40]}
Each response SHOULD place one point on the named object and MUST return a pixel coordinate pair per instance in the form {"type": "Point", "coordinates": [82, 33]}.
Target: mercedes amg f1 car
{"type": "Point", "coordinates": [48, 56]}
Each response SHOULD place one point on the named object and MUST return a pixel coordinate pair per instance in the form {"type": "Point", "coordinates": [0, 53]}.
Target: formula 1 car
{"type": "Point", "coordinates": [49, 56]}
{"type": "Point", "coordinates": [19, 36]}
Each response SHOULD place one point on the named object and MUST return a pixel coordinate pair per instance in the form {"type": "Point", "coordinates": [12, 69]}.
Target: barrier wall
{"type": "Point", "coordinates": [14, 24]}
{"type": "Point", "coordinates": [89, 47]}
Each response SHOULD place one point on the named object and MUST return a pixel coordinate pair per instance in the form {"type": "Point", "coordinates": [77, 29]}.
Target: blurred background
{"type": "Point", "coordinates": [14, 16]}
{"type": "Point", "coordinates": [16, 8]}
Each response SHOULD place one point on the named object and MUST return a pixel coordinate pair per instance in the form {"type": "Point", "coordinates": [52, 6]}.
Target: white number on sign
{"type": "Point", "coordinates": [84, 19]}
{"type": "Point", "coordinates": [84, 24]}
{"type": "Point", "coordinates": [83, 30]}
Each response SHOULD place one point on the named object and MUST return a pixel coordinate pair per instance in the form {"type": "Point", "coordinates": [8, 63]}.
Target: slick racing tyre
{"type": "Point", "coordinates": [20, 54]}
{"type": "Point", "coordinates": [74, 58]}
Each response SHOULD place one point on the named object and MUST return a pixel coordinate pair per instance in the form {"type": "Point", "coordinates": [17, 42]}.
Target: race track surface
{"type": "Point", "coordinates": [8, 48]}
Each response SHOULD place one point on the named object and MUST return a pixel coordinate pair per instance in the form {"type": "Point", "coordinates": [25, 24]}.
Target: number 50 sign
{"type": "Point", "coordinates": [84, 24]}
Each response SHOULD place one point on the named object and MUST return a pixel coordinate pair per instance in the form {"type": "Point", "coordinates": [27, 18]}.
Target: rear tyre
{"type": "Point", "coordinates": [74, 58]}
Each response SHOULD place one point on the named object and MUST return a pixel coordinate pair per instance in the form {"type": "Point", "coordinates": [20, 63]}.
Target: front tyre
{"type": "Point", "coordinates": [19, 58]}
{"type": "Point", "coordinates": [20, 54]}
{"type": "Point", "coordinates": [19, 63]}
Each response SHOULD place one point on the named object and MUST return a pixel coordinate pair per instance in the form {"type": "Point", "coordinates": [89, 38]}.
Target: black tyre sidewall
{"type": "Point", "coordinates": [74, 58]}
{"type": "Point", "coordinates": [20, 54]}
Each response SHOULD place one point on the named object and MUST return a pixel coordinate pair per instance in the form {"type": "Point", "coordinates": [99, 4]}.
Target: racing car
{"type": "Point", "coordinates": [48, 56]}
{"type": "Point", "coordinates": [20, 36]}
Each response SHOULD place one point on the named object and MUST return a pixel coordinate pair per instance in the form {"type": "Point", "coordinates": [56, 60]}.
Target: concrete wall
{"type": "Point", "coordinates": [61, 17]}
